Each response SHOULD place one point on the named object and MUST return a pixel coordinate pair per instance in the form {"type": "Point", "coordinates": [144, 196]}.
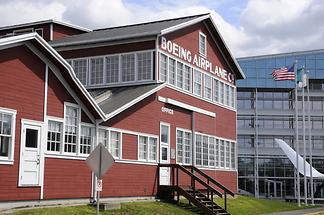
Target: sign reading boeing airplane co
{"type": "Point", "coordinates": [195, 59]}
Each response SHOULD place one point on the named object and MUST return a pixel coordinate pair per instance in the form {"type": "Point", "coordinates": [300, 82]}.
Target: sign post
{"type": "Point", "coordinates": [99, 161]}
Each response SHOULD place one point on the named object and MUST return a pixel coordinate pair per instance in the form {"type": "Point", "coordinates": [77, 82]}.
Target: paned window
{"type": "Point", "coordinates": [7, 124]}
{"type": "Point", "coordinates": [104, 137]}
{"type": "Point", "coordinates": [211, 151]}
{"type": "Point", "coordinates": [54, 136]}
{"type": "Point", "coordinates": [198, 150]}
{"type": "Point", "coordinates": [96, 68]}
{"type": "Point", "coordinates": [172, 71]}
{"type": "Point", "coordinates": [112, 69]}
{"type": "Point", "coordinates": [202, 44]}
{"type": "Point", "coordinates": [216, 91]}
{"type": "Point", "coordinates": [86, 139]}
{"type": "Point", "coordinates": [147, 147]}
{"type": "Point", "coordinates": [152, 149]}
{"type": "Point", "coordinates": [217, 152]}
{"type": "Point", "coordinates": [183, 147]}
{"type": "Point", "coordinates": [227, 154]}
{"type": "Point", "coordinates": [143, 147]}
{"type": "Point", "coordinates": [81, 69]}
{"type": "Point", "coordinates": [128, 67]}
{"type": "Point", "coordinates": [197, 83]}
{"type": "Point", "coordinates": [208, 87]}
{"type": "Point", "coordinates": [221, 92]}
{"type": "Point", "coordinates": [179, 75]}
{"type": "Point", "coordinates": [205, 151]}
{"type": "Point", "coordinates": [163, 67]}
{"type": "Point", "coordinates": [227, 94]}
{"type": "Point", "coordinates": [115, 144]}
{"type": "Point", "coordinates": [233, 156]}
{"type": "Point", "coordinates": [71, 129]}
{"type": "Point", "coordinates": [187, 78]}
{"type": "Point", "coordinates": [222, 153]}
{"type": "Point", "coordinates": [144, 66]}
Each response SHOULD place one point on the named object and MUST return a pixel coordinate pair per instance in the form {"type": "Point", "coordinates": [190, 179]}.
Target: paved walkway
{"type": "Point", "coordinates": [310, 211]}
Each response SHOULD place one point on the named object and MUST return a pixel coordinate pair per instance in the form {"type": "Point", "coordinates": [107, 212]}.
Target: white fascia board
{"type": "Point", "coordinates": [183, 25]}
{"type": "Point", "coordinates": [57, 56]}
{"type": "Point", "coordinates": [223, 41]}
{"type": "Point", "coordinates": [72, 26]}
{"type": "Point", "coordinates": [133, 102]}
{"type": "Point", "coordinates": [186, 106]}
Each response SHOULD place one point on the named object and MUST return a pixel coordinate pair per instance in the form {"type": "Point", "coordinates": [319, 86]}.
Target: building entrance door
{"type": "Point", "coordinates": [164, 153]}
{"type": "Point", "coordinates": [274, 189]}
{"type": "Point", "coordinates": [29, 170]}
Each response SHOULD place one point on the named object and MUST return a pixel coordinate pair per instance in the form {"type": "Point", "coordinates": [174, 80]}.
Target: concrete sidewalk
{"type": "Point", "coordinates": [310, 211]}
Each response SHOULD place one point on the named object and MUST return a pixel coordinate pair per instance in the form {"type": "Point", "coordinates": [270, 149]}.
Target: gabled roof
{"type": "Point", "coordinates": [151, 29]}
{"type": "Point", "coordinates": [117, 99]}
{"type": "Point", "coordinates": [127, 31]}
{"type": "Point", "coordinates": [45, 22]}
{"type": "Point", "coordinates": [68, 72]}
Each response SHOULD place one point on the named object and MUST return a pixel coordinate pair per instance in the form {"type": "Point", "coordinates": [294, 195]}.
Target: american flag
{"type": "Point", "coordinates": [283, 74]}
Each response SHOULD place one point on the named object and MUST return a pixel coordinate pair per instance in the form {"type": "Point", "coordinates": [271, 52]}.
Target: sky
{"type": "Point", "coordinates": [249, 27]}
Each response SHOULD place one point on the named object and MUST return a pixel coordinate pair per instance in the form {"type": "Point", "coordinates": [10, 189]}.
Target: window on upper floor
{"type": "Point", "coordinates": [202, 44]}
{"type": "Point", "coordinates": [72, 120]}
{"type": "Point", "coordinates": [81, 70]}
{"type": "Point", "coordinates": [97, 71]}
{"type": "Point", "coordinates": [144, 65]}
{"type": "Point", "coordinates": [112, 69]}
{"type": "Point", "coordinates": [207, 87]}
{"type": "Point", "coordinates": [197, 83]}
{"type": "Point", "coordinates": [115, 144]}
{"type": "Point", "coordinates": [7, 135]}
{"type": "Point", "coordinates": [128, 67]}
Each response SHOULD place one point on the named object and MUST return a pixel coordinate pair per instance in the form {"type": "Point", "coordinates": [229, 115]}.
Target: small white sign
{"type": "Point", "coordinates": [167, 110]}
{"type": "Point", "coordinates": [99, 185]}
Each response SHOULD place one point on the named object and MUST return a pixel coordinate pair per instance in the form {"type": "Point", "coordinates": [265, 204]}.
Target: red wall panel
{"type": "Point", "coordinates": [27, 97]}
{"type": "Point", "coordinates": [129, 146]}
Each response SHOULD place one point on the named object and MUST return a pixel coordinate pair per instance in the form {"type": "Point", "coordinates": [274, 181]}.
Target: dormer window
{"type": "Point", "coordinates": [202, 44]}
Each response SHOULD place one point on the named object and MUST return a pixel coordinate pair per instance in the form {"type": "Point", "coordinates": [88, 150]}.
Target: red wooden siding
{"type": "Point", "coordinates": [66, 179]}
{"type": "Point", "coordinates": [60, 31]}
{"type": "Point", "coordinates": [27, 97]}
{"type": "Point", "coordinates": [129, 146]}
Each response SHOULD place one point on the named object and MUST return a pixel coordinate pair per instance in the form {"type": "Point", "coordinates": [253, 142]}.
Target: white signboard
{"type": "Point", "coordinates": [100, 160]}
{"type": "Point", "coordinates": [99, 185]}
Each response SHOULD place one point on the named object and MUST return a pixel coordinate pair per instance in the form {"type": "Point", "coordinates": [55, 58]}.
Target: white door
{"type": "Point", "coordinates": [164, 153]}
{"type": "Point", "coordinates": [30, 155]}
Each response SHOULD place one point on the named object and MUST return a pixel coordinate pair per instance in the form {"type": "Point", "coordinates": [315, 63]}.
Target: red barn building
{"type": "Point", "coordinates": [153, 93]}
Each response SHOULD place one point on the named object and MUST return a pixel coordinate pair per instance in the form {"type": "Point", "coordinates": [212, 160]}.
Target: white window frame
{"type": "Point", "coordinates": [90, 70]}
{"type": "Point", "coordinates": [66, 104]}
{"type": "Point", "coordinates": [210, 88]}
{"type": "Point", "coordinates": [183, 147]}
{"type": "Point", "coordinates": [92, 128]}
{"type": "Point", "coordinates": [201, 82]}
{"type": "Point", "coordinates": [163, 143]}
{"type": "Point", "coordinates": [87, 69]}
{"type": "Point", "coordinates": [9, 160]}
{"type": "Point", "coordinates": [148, 152]}
{"type": "Point", "coordinates": [58, 120]}
{"type": "Point", "coordinates": [201, 34]}
{"type": "Point", "coordinates": [120, 150]}
{"type": "Point", "coordinates": [40, 29]}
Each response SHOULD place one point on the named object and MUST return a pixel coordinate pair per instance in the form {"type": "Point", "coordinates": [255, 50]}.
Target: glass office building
{"type": "Point", "coordinates": [266, 110]}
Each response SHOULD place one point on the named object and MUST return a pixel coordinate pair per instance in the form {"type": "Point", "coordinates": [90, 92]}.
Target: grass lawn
{"type": "Point", "coordinates": [239, 206]}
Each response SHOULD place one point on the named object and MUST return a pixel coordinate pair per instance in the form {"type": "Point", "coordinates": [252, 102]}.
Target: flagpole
{"type": "Point", "coordinates": [296, 127]}
{"type": "Point", "coordinates": [304, 136]}
{"type": "Point", "coordinates": [310, 144]}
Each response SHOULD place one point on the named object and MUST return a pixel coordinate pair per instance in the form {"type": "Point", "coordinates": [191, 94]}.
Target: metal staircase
{"type": "Point", "coordinates": [197, 187]}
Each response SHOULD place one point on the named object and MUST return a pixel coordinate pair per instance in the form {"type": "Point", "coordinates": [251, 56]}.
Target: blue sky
{"type": "Point", "coordinates": [249, 27]}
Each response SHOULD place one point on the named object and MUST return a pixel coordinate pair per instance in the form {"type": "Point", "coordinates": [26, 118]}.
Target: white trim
{"type": "Point", "coordinates": [126, 161]}
{"type": "Point", "coordinates": [41, 125]}
{"type": "Point", "coordinates": [77, 148]}
{"type": "Point", "coordinates": [163, 144]}
{"type": "Point", "coordinates": [51, 32]}
{"type": "Point", "coordinates": [133, 102]}
{"type": "Point", "coordinates": [128, 131]}
{"type": "Point", "coordinates": [40, 29]}
{"type": "Point", "coordinates": [183, 25]}
{"type": "Point", "coordinates": [186, 106]}
{"type": "Point", "coordinates": [51, 21]}
{"type": "Point", "coordinates": [10, 159]}
{"type": "Point", "coordinates": [204, 36]}
{"type": "Point", "coordinates": [65, 156]}
{"type": "Point", "coordinates": [183, 148]}
{"type": "Point", "coordinates": [54, 118]}
{"type": "Point", "coordinates": [53, 52]}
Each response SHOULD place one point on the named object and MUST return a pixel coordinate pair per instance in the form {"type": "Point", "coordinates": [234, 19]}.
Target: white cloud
{"type": "Point", "coordinates": [265, 26]}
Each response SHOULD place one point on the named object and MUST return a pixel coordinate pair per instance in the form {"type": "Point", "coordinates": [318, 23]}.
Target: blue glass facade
{"type": "Point", "coordinates": [258, 69]}
{"type": "Point", "coordinates": [265, 111]}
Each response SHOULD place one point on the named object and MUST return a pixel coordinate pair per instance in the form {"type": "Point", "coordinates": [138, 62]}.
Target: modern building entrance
{"type": "Point", "coordinates": [274, 189]}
